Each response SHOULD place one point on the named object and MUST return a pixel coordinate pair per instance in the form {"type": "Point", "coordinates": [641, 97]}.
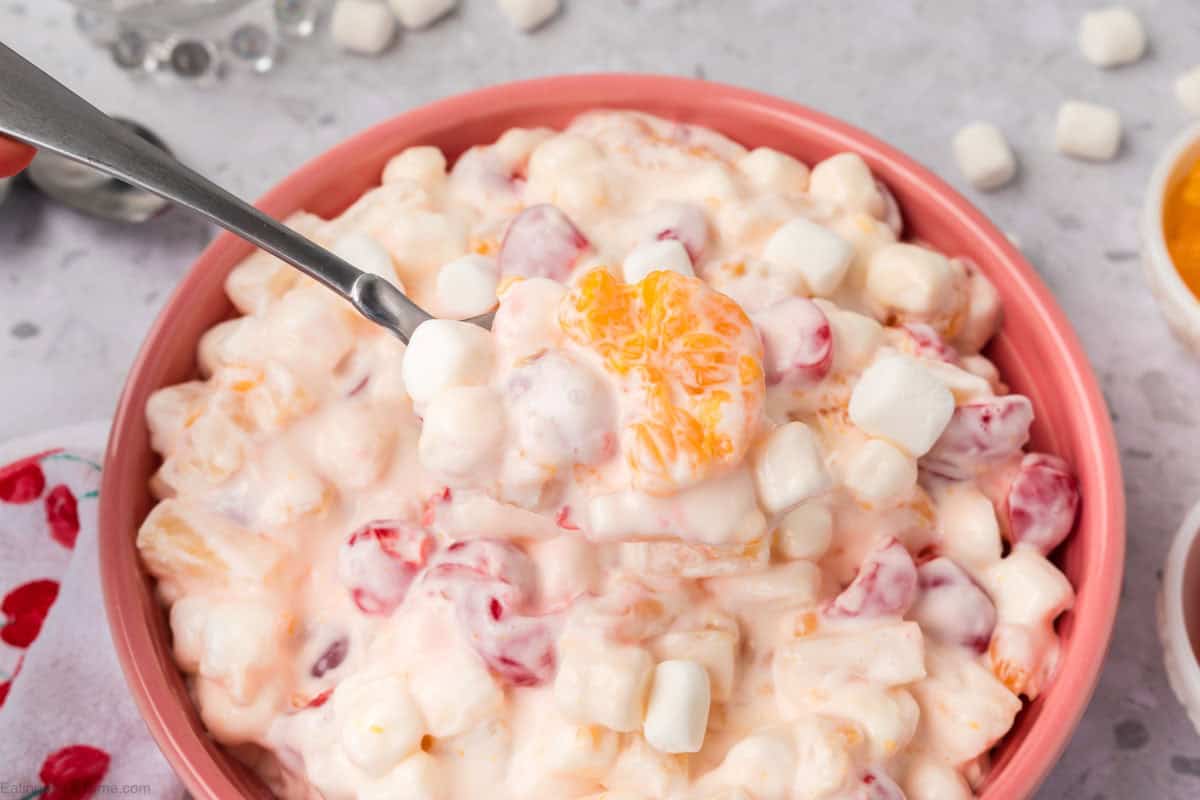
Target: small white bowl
{"type": "Point", "coordinates": [1179, 615]}
{"type": "Point", "coordinates": [1178, 304]}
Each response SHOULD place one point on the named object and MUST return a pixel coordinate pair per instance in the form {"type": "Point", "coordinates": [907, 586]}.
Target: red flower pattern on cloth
{"type": "Point", "coordinates": [23, 481]}
{"type": "Point", "coordinates": [73, 773]}
{"type": "Point", "coordinates": [25, 609]}
{"type": "Point", "coordinates": [62, 515]}
{"type": "Point", "coordinates": [4, 687]}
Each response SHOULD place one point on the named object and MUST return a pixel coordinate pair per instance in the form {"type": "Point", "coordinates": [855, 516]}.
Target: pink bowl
{"type": "Point", "coordinates": [1036, 351]}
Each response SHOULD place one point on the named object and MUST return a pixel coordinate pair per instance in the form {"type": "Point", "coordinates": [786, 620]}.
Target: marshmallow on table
{"type": "Point", "coordinates": [810, 257]}
{"type": "Point", "coordinates": [419, 13]}
{"type": "Point", "coordinates": [984, 156]}
{"type": "Point", "coordinates": [466, 287]}
{"type": "Point", "coordinates": [667, 254]}
{"type": "Point", "coordinates": [899, 400]}
{"type": "Point", "coordinates": [789, 467]}
{"type": "Point", "coordinates": [1187, 91]}
{"type": "Point", "coordinates": [879, 471]}
{"type": "Point", "coordinates": [362, 26]}
{"type": "Point", "coordinates": [677, 711]}
{"type": "Point", "coordinates": [527, 15]}
{"type": "Point", "coordinates": [364, 251]}
{"type": "Point", "coordinates": [1087, 130]}
{"type": "Point", "coordinates": [1111, 36]}
{"type": "Point", "coordinates": [443, 353]}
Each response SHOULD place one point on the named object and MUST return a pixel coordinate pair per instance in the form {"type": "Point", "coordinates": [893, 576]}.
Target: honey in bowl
{"type": "Point", "coordinates": [1181, 226]}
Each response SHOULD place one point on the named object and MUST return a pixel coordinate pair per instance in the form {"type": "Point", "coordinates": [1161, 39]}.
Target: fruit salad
{"type": "Point", "coordinates": [726, 505]}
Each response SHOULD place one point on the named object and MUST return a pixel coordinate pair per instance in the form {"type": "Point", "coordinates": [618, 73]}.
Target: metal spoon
{"type": "Point", "coordinates": [40, 111]}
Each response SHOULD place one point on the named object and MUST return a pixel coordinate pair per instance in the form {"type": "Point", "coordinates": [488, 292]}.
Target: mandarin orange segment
{"type": "Point", "coordinates": [690, 359]}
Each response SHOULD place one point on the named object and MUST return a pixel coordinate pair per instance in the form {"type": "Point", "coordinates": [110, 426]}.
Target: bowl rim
{"type": "Point", "coordinates": [1179, 303]}
{"type": "Point", "coordinates": [1065, 704]}
{"type": "Point", "coordinates": [1179, 655]}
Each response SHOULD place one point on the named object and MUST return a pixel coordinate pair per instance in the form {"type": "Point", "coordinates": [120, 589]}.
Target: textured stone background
{"type": "Point", "coordinates": [76, 296]}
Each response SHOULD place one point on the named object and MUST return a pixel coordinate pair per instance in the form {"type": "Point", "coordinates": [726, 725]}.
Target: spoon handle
{"type": "Point", "coordinates": [40, 111]}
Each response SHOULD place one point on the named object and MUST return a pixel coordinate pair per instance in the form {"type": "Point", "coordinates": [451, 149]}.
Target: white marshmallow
{"type": "Point", "coordinates": [805, 532]}
{"type": "Point", "coordinates": [418, 777]}
{"type": "Point", "coordinates": [420, 13]}
{"type": "Point", "coordinates": [1111, 36]}
{"type": "Point", "coordinates": [789, 467]}
{"type": "Point", "coordinates": [823, 746]}
{"type": "Point", "coordinates": [558, 758]}
{"type": "Point", "coordinates": [983, 315]}
{"type": "Point", "coordinates": [462, 432]}
{"type": "Point", "coordinates": [526, 15]}
{"type": "Point", "coordinates": [353, 446]}
{"type": "Point", "coordinates": [967, 527]}
{"type": "Point", "coordinates": [444, 353]}
{"type": "Point", "coordinates": [771, 169]}
{"type": "Point", "coordinates": [668, 254]}
{"type": "Point", "coordinates": [425, 165]}
{"type": "Point", "coordinates": [887, 717]}
{"type": "Point", "coordinates": [454, 691]}
{"type": "Point", "coordinates": [1087, 131]}
{"type": "Point", "coordinates": [239, 640]}
{"type": "Point", "coordinates": [787, 585]}
{"type": "Point", "coordinates": [189, 614]}
{"type": "Point", "coordinates": [846, 181]}
{"type": "Point", "coordinates": [602, 683]}
{"type": "Point", "coordinates": [380, 723]}
{"type": "Point", "coordinates": [911, 279]}
{"type": "Point", "coordinates": [466, 287]}
{"type": "Point", "coordinates": [889, 655]}
{"type": "Point", "coordinates": [1187, 91]}
{"type": "Point", "coordinates": [677, 711]}
{"type": "Point", "coordinates": [856, 337]}
{"type": "Point", "coordinates": [899, 400]}
{"type": "Point", "coordinates": [809, 257]}
{"type": "Point", "coordinates": [641, 771]}
{"type": "Point", "coordinates": [363, 251]}
{"type": "Point", "coordinates": [362, 26]}
{"type": "Point", "coordinates": [1027, 589]}
{"type": "Point", "coordinates": [984, 156]}
{"type": "Point", "coordinates": [879, 471]}
{"type": "Point", "coordinates": [715, 650]}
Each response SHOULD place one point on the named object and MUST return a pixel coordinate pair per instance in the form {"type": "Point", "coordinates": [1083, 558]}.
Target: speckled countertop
{"type": "Point", "coordinates": [76, 296]}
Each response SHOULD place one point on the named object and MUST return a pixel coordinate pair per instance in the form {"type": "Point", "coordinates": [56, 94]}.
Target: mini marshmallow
{"type": "Point", "coordinates": [899, 400]}
{"type": "Point", "coordinates": [677, 711]}
{"type": "Point", "coordinates": [984, 156]}
{"type": "Point", "coordinates": [1111, 36]}
{"type": "Point", "coordinates": [667, 254]}
{"type": "Point", "coordinates": [715, 650]}
{"type": "Point", "coordinates": [239, 638]}
{"type": "Point", "coordinates": [787, 585]}
{"type": "Point", "coordinates": [846, 181]}
{"type": "Point", "coordinates": [968, 531]}
{"type": "Point", "coordinates": [425, 165]}
{"type": "Point", "coordinates": [887, 718]}
{"type": "Point", "coordinates": [1087, 131]}
{"type": "Point", "coordinates": [602, 683]}
{"type": "Point", "coordinates": [362, 250]}
{"type": "Point", "coordinates": [466, 287]}
{"type": "Point", "coordinates": [771, 169]}
{"type": "Point", "coordinates": [380, 723]}
{"type": "Point", "coordinates": [454, 691]}
{"type": "Point", "coordinates": [856, 337]}
{"type": "Point", "coordinates": [928, 777]}
{"type": "Point", "coordinates": [810, 257]}
{"type": "Point", "coordinates": [445, 353]}
{"type": "Point", "coordinates": [1187, 91]}
{"type": "Point", "coordinates": [789, 467]}
{"type": "Point", "coordinates": [911, 279]}
{"type": "Point", "coordinates": [420, 13]}
{"type": "Point", "coordinates": [362, 26]}
{"type": "Point", "coordinates": [527, 15]}
{"type": "Point", "coordinates": [805, 532]}
{"type": "Point", "coordinates": [889, 655]}
{"type": "Point", "coordinates": [1027, 589]}
{"type": "Point", "coordinates": [462, 432]}
{"type": "Point", "coordinates": [763, 762]}
{"type": "Point", "coordinates": [879, 471]}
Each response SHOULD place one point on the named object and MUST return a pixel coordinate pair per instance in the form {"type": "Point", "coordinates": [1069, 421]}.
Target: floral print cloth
{"type": "Point", "coordinates": [68, 728]}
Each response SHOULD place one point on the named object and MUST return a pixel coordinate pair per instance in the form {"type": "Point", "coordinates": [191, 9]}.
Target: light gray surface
{"type": "Point", "coordinates": [76, 296]}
